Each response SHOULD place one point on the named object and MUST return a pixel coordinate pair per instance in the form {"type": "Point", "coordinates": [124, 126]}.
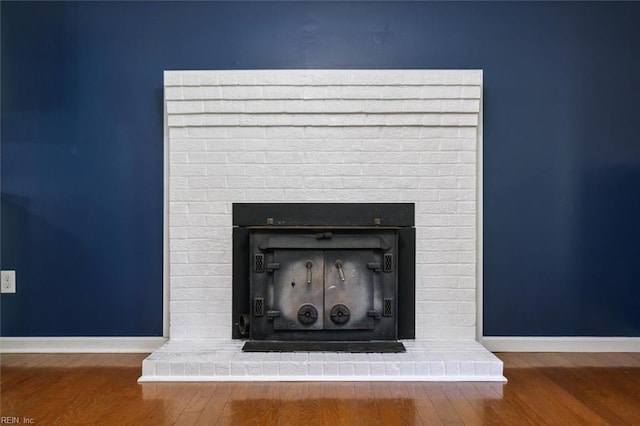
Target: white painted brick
{"type": "Point", "coordinates": [223, 368]}
{"type": "Point", "coordinates": [209, 79]}
{"type": "Point", "coordinates": [438, 182]}
{"type": "Point", "coordinates": [467, 282]}
{"type": "Point", "coordinates": [208, 208]}
{"type": "Point", "coordinates": [282, 92]}
{"type": "Point", "coordinates": [284, 157]}
{"type": "Point", "coordinates": [187, 170]}
{"type": "Point", "coordinates": [193, 270]}
{"type": "Point", "coordinates": [246, 132]}
{"type": "Point", "coordinates": [323, 182]}
{"type": "Point", "coordinates": [202, 232]}
{"type": "Point", "coordinates": [439, 157]}
{"type": "Point", "coordinates": [436, 207]}
{"type": "Point", "coordinates": [172, 78]}
{"type": "Point", "coordinates": [186, 145]}
{"type": "Point", "coordinates": [279, 133]}
{"type": "Point", "coordinates": [247, 157]}
{"type": "Point", "coordinates": [178, 157]}
{"type": "Point", "coordinates": [447, 245]}
{"type": "Point", "coordinates": [208, 92]}
{"type": "Point", "coordinates": [219, 120]}
{"type": "Point", "coordinates": [177, 369]}
{"type": "Point", "coordinates": [466, 182]}
{"type": "Point", "coordinates": [266, 170]}
{"type": "Point", "coordinates": [209, 257]}
{"type": "Point", "coordinates": [456, 169]}
{"type": "Point", "coordinates": [258, 195]}
{"type": "Point", "coordinates": [185, 107]}
{"type": "Point", "coordinates": [242, 92]}
{"type": "Point", "coordinates": [225, 106]}
{"type": "Point", "coordinates": [467, 157]}
{"type": "Point", "coordinates": [467, 207]}
{"type": "Point", "coordinates": [377, 369]}
{"type": "Point", "coordinates": [225, 170]}
{"type": "Point", "coordinates": [322, 133]}
{"type": "Point", "coordinates": [419, 145]}
{"type": "Point", "coordinates": [188, 195]}
{"type": "Point", "coordinates": [207, 182]}
{"type": "Point", "coordinates": [422, 195]}
{"type": "Point", "coordinates": [346, 369]}
{"type": "Point", "coordinates": [471, 92]}
{"type": "Point", "coordinates": [361, 369]}
{"type": "Point", "coordinates": [177, 233]}
{"type": "Point", "coordinates": [439, 133]}
{"type": "Point", "coordinates": [173, 93]}
{"type": "Point", "coordinates": [186, 220]}
{"type": "Point", "coordinates": [206, 132]}
{"type": "Point", "coordinates": [439, 307]}
{"type": "Point", "coordinates": [467, 132]}
{"type": "Point", "coordinates": [360, 132]}
{"type": "Point", "coordinates": [316, 157]}
{"type": "Point", "coordinates": [246, 182]}
{"type": "Point", "coordinates": [178, 183]}
{"type": "Point", "coordinates": [457, 145]}
{"type": "Point", "coordinates": [178, 207]}
{"type": "Point", "coordinates": [218, 220]}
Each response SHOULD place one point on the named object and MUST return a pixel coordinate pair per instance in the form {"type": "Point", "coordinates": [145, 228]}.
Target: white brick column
{"type": "Point", "coordinates": [322, 136]}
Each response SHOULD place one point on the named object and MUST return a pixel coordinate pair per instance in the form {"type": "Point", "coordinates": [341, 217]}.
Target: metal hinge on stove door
{"type": "Point", "coordinates": [272, 267]}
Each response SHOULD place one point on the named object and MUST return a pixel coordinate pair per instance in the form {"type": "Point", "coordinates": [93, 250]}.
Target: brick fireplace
{"type": "Point", "coordinates": [322, 136]}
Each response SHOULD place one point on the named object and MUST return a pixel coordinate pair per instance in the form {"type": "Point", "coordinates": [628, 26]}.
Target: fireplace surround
{"type": "Point", "coordinates": [323, 136]}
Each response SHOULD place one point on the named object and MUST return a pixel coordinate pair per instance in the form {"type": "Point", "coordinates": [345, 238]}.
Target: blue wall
{"type": "Point", "coordinates": [82, 146]}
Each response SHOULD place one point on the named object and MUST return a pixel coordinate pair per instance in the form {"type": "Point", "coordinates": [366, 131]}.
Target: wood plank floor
{"type": "Point", "coordinates": [101, 389]}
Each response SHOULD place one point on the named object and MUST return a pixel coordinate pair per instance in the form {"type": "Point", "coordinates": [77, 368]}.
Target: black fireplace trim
{"type": "Point", "coordinates": [326, 216]}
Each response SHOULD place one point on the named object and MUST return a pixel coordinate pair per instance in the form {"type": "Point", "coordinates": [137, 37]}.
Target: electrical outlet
{"type": "Point", "coordinates": [8, 281]}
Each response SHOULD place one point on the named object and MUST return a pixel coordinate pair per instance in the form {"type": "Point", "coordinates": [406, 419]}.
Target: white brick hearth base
{"type": "Point", "coordinates": [223, 360]}
{"type": "Point", "coordinates": [323, 136]}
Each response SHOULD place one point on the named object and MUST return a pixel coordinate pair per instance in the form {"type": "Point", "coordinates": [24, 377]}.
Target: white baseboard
{"type": "Point", "coordinates": [80, 344]}
{"type": "Point", "coordinates": [561, 344]}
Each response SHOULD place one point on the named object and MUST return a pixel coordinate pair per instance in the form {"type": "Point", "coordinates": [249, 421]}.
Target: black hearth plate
{"type": "Point", "coordinates": [353, 347]}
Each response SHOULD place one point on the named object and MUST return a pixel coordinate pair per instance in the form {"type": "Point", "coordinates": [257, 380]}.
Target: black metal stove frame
{"type": "Point", "coordinates": [363, 230]}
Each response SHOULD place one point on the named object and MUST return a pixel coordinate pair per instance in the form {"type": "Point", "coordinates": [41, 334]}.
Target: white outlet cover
{"type": "Point", "coordinates": [8, 281]}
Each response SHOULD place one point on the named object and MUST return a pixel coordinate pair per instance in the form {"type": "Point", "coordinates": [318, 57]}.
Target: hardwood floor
{"type": "Point", "coordinates": [101, 389]}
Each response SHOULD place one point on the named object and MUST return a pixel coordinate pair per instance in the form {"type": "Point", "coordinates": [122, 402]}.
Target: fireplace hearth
{"type": "Point", "coordinates": [324, 277]}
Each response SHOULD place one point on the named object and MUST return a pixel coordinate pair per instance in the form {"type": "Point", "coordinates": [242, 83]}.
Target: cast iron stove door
{"type": "Point", "coordinates": [323, 286]}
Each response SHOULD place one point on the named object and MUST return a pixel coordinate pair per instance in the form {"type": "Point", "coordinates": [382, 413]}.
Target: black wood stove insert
{"type": "Point", "coordinates": [324, 277]}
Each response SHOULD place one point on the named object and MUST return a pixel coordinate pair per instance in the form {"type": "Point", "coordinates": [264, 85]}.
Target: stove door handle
{"type": "Point", "coordinates": [309, 265]}
{"type": "Point", "coordinates": [340, 270]}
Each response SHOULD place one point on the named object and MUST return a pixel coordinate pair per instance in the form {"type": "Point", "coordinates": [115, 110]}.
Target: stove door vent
{"type": "Point", "coordinates": [258, 263]}
{"type": "Point", "coordinates": [258, 306]}
{"type": "Point", "coordinates": [387, 265]}
{"type": "Point", "coordinates": [387, 308]}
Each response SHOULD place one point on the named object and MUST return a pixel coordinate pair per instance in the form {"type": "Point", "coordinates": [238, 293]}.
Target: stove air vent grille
{"type": "Point", "coordinates": [258, 263]}
{"type": "Point", "coordinates": [387, 265]}
{"type": "Point", "coordinates": [258, 306]}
